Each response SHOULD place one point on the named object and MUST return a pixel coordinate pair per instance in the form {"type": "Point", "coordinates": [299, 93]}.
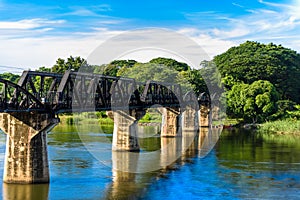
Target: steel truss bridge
{"type": "Point", "coordinates": [46, 92]}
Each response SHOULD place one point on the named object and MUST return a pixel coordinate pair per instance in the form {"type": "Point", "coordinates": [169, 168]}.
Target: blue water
{"type": "Point", "coordinates": [239, 167]}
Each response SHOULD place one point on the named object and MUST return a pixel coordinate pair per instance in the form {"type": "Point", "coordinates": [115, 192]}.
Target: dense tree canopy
{"type": "Point", "coordinates": [9, 76]}
{"type": "Point", "coordinates": [252, 61]}
{"type": "Point", "coordinates": [149, 71]}
{"type": "Point", "coordinates": [192, 80]}
{"type": "Point", "coordinates": [171, 63]}
{"type": "Point", "coordinates": [254, 102]}
{"type": "Point", "coordinates": [113, 67]}
{"type": "Point", "coordinates": [161, 69]}
{"type": "Point", "coordinates": [72, 63]}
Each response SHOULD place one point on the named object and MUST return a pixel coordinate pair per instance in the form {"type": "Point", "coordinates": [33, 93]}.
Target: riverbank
{"type": "Point", "coordinates": [281, 127]}
{"type": "Point", "coordinates": [73, 119]}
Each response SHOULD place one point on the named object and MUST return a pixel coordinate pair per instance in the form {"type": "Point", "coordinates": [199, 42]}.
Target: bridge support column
{"type": "Point", "coordinates": [26, 157]}
{"type": "Point", "coordinates": [170, 123]}
{"type": "Point", "coordinates": [204, 117]}
{"type": "Point", "coordinates": [125, 135]}
{"type": "Point", "coordinates": [189, 121]}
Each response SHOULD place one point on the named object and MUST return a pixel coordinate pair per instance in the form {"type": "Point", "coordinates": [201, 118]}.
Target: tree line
{"type": "Point", "coordinates": [261, 80]}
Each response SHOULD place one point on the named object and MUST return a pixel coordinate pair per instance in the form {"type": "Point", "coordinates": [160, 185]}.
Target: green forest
{"type": "Point", "coordinates": [262, 81]}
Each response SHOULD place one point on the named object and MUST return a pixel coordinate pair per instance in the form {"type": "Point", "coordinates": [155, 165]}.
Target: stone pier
{"type": "Point", "coordinates": [125, 135]}
{"type": "Point", "coordinates": [189, 121]}
{"type": "Point", "coordinates": [204, 116]}
{"type": "Point", "coordinates": [170, 122]}
{"type": "Point", "coordinates": [190, 128]}
{"type": "Point", "coordinates": [26, 157]}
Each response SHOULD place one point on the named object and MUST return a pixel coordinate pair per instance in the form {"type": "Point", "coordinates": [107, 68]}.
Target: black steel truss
{"type": "Point", "coordinates": [82, 92]}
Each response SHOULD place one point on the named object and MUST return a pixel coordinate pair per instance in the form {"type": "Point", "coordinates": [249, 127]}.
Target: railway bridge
{"type": "Point", "coordinates": [30, 108]}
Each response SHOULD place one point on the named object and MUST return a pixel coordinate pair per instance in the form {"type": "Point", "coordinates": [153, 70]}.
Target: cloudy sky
{"type": "Point", "coordinates": [35, 33]}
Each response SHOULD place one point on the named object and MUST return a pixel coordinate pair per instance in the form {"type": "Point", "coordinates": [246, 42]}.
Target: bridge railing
{"type": "Point", "coordinates": [14, 98]}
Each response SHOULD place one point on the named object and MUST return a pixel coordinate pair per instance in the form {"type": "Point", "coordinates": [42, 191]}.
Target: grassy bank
{"type": "Point", "coordinates": [72, 119]}
{"type": "Point", "coordinates": [281, 127]}
{"type": "Point", "coordinates": [149, 117]}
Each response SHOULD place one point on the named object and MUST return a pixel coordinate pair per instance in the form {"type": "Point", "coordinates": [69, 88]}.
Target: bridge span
{"type": "Point", "coordinates": [29, 109]}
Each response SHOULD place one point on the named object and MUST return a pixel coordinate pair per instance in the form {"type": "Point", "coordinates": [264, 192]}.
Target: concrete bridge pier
{"type": "Point", "coordinates": [26, 157]}
{"type": "Point", "coordinates": [189, 121]}
{"type": "Point", "coordinates": [125, 135]}
{"type": "Point", "coordinates": [170, 122]}
{"type": "Point", "coordinates": [204, 116]}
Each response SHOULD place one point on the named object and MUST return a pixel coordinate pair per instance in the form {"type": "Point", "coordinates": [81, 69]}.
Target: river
{"type": "Point", "coordinates": [242, 165]}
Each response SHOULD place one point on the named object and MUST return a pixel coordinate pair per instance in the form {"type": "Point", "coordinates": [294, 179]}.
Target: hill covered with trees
{"type": "Point", "coordinates": [262, 80]}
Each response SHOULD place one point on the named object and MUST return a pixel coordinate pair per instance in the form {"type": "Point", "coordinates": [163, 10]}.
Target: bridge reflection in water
{"type": "Point", "coordinates": [25, 191]}
{"type": "Point", "coordinates": [128, 185]}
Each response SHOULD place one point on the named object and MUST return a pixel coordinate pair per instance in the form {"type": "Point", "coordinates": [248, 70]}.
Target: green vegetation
{"type": "Point", "coordinates": [152, 116]}
{"type": "Point", "coordinates": [112, 68]}
{"type": "Point", "coordinates": [285, 126]}
{"type": "Point", "coordinates": [9, 76]}
{"type": "Point", "coordinates": [256, 102]}
{"type": "Point", "coordinates": [71, 63]}
{"type": "Point", "coordinates": [252, 61]}
{"type": "Point", "coordinates": [261, 80]}
{"type": "Point", "coordinates": [85, 118]}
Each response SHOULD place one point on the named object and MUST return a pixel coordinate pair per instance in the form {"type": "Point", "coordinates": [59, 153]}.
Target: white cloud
{"type": "Point", "coordinates": [236, 32]}
{"type": "Point", "coordinates": [26, 24]}
{"type": "Point", "coordinates": [82, 12]}
{"type": "Point", "coordinates": [277, 23]}
{"type": "Point", "coordinates": [238, 5]}
{"type": "Point", "coordinates": [31, 53]}
{"type": "Point", "coordinates": [211, 45]}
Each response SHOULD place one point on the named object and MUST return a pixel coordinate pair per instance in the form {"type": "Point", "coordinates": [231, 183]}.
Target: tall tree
{"type": "Point", "coordinates": [253, 61]}
{"type": "Point", "coordinates": [254, 102]}
{"type": "Point", "coordinates": [148, 71]}
{"type": "Point", "coordinates": [171, 63]}
{"type": "Point", "coordinates": [72, 63]}
{"type": "Point", "coordinates": [9, 76]}
{"type": "Point", "coordinates": [113, 67]}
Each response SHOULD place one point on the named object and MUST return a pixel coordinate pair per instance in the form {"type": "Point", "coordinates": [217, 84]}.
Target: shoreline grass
{"type": "Point", "coordinates": [72, 119]}
{"type": "Point", "coordinates": [281, 127]}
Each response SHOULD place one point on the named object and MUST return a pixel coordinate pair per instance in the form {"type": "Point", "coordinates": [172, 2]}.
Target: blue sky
{"type": "Point", "coordinates": [35, 33]}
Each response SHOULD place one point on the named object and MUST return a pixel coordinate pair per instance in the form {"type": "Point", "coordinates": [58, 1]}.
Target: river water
{"type": "Point", "coordinates": [242, 165]}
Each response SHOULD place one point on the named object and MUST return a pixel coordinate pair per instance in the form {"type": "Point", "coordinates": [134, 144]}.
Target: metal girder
{"type": "Point", "coordinates": [164, 94]}
{"type": "Point", "coordinates": [14, 98]}
{"type": "Point", "coordinates": [82, 92]}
